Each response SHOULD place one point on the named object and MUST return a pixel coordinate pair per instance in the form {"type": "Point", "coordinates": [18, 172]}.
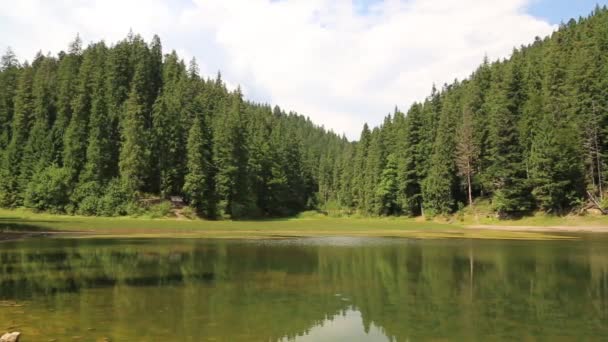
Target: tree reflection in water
{"type": "Point", "coordinates": [308, 289]}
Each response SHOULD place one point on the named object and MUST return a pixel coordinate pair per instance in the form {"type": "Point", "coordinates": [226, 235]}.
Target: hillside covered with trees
{"type": "Point", "coordinates": [528, 133]}
{"type": "Point", "coordinates": [98, 130]}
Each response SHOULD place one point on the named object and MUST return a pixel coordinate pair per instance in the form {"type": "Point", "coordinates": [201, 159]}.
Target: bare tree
{"type": "Point", "coordinates": [594, 153]}
{"type": "Point", "coordinates": [466, 150]}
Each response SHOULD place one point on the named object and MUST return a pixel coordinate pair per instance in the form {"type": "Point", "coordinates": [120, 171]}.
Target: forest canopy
{"type": "Point", "coordinates": [98, 130]}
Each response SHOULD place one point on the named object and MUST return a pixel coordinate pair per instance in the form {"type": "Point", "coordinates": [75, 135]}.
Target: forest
{"type": "Point", "coordinates": [104, 129]}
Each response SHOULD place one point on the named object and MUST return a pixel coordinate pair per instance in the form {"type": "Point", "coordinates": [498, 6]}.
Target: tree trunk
{"type": "Point", "coordinates": [469, 184]}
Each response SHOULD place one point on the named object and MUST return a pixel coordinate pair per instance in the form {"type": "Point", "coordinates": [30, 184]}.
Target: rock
{"type": "Point", "coordinates": [10, 337]}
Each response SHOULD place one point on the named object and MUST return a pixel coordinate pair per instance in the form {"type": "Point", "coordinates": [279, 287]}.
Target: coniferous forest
{"type": "Point", "coordinates": [99, 130]}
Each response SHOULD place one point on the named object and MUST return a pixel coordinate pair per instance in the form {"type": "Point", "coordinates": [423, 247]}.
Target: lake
{"type": "Point", "coordinates": [309, 289]}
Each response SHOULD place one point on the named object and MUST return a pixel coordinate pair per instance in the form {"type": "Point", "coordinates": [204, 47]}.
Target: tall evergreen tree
{"type": "Point", "coordinates": [410, 160]}
{"type": "Point", "coordinates": [135, 153]}
{"type": "Point", "coordinates": [199, 166]}
{"type": "Point", "coordinates": [506, 170]}
{"type": "Point", "coordinates": [439, 185]}
{"type": "Point", "coordinates": [11, 194]}
{"type": "Point", "coordinates": [231, 161]}
{"type": "Point", "coordinates": [37, 152]}
{"type": "Point", "coordinates": [67, 81]}
{"type": "Point", "coordinates": [9, 75]}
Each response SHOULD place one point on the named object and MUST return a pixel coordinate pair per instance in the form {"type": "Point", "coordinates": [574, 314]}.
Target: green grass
{"type": "Point", "coordinates": [482, 214]}
{"type": "Point", "coordinates": [306, 225]}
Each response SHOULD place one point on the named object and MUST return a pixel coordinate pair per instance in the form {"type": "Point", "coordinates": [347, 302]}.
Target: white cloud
{"type": "Point", "coordinates": [322, 58]}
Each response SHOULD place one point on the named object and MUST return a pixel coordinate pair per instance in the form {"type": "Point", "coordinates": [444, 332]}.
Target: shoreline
{"type": "Point", "coordinates": [22, 224]}
{"type": "Point", "coordinates": [528, 228]}
{"type": "Point", "coordinates": [476, 232]}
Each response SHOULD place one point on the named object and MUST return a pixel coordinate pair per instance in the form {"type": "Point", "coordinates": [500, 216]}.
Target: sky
{"type": "Point", "coordinates": [341, 62]}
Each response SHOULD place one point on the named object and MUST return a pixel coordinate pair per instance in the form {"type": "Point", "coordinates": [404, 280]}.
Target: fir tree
{"type": "Point", "coordinates": [134, 154]}
{"type": "Point", "coordinates": [506, 170]}
{"type": "Point", "coordinates": [11, 194]}
{"type": "Point", "coordinates": [9, 74]}
{"type": "Point", "coordinates": [198, 166]}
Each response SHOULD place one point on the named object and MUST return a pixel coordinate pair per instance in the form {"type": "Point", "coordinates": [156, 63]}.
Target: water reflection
{"type": "Point", "coordinates": [304, 289]}
{"type": "Point", "coordinates": [346, 326]}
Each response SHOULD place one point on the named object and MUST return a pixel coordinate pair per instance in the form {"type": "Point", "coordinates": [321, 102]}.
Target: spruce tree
{"type": "Point", "coordinates": [555, 161]}
{"type": "Point", "coordinates": [67, 81]}
{"type": "Point", "coordinates": [135, 152]}
{"type": "Point", "coordinates": [198, 169]}
{"type": "Point", "coordinates": [358, 165]}
{"type": "Point", "coordinates": [438, 187]}
{"type": "Point", "coordinates": [99, 151]}
{"type": "Point", "coordinates": [410, 160]}
{"type": "Point", "coordinates": [387, 189]}
{"type": "Point", "coordinates": [169, 136]}
{"type": "Point", "coordinates": [37, 153]}
{"type": "Point", "coordinates": [373, 169]}
{"type": "Point", "coordinates": [506, 169]}
{"type": "Point", "coordinates": [230, 159]}
{"type": "Point", "coordinates": [76, 135]}
{"type": "Point", "coordinates": [9, 75]}
{"type": "Point", "coordinates": [11, 195]}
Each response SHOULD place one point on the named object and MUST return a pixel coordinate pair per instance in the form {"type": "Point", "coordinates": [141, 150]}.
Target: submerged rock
{"type": "Point", "coordinates": [10, 337]}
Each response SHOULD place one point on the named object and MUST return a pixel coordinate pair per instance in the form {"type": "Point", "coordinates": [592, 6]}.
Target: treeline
{"type": "Point", "coordinates": [98, 131]}
{"type": "Point", "coordinates": [101, 130]}
{"type": "Point", "coordinates": [529, 133]}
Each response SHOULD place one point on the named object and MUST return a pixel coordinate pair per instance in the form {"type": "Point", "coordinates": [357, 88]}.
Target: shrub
{"type": "Point", "coordinates": [86, 198]}
{"type": "Point", "coordinates": [49, 190]}
{"type": "Point", "coordinates": [114, 201]}
{"type": "Point", "coordinates": [189, 212]}
{"type": "Point", "coordinates": [162, 209]}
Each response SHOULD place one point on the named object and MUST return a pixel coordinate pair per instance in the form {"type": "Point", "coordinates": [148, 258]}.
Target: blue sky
{"type": "Point", "coordinates": [557, 11]}
{"type": "Point", "coordinates": [340, 62]}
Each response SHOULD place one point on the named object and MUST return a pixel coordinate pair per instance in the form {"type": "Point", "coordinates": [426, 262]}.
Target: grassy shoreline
{"type": "Point", "coordinates": [22, 223]}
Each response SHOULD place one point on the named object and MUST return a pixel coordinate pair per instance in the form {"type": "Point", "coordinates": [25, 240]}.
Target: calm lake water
{"type": "Point", "coordinates": [326, 289]}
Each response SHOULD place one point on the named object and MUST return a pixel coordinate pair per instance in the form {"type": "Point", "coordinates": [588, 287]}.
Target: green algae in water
{"type": "Point", "coordinates": [308, 289]}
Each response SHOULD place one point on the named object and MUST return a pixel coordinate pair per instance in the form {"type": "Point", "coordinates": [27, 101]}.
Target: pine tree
{"type": "Point", "coordinates": [37, 153]}
{"type": "Point", "coordinates": [387, 189]}
{"type": "Point", "coordinates": [345, 193]}
{"type": "Point", "coordinates": [410, 160]}
{"type": "Point", "coordinates": [506, 169]}
{"type": "Point", "coordinates": [231, 162]}
{"type": "Point", "coordinates": [555, 162]}
{"type": "Point", "coordinates": [9, 75]}
{"type": "Point", "coordinates": [438, 187]}
{"type": "Point", "coordinates": [11, 194]}
{"type": "Point", "coordinates": [75, 139]}
{"type": "Point", "coordinates": [135, 153]}
{"type": "Point", "coordinates": [586, 99]}
{"type": "Point", "coordinates": [359, 163]}
{"type": "Point", "coordinates": [198, 166]}
{"type": "Point", "coordinates": [373, 169]}
{"type": "Point", "coordinates": [99, 151]}
{"type": "Point", "coordinates": [67, 81]}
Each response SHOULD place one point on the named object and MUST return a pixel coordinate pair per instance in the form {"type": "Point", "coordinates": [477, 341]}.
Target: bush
{"type": "Point", "coordinates": [135, 209]}
{"type": "Point", "coordinates": [49, 190]}
{"type": "Point", "coordinates": [189, 212]}
{"type": "Point", "coordinates": [86, 198]}
{"type": "Point", "coordinates": [162, 209]}
{"type": "Point", "coordinates": [311, 214]}
{"type": "Point", "coordinates": [114, 201]}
